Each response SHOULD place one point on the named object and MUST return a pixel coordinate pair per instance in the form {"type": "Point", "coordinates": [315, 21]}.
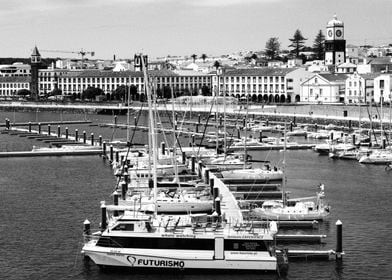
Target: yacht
{"type": "Point", "coordinates": [298, 210]}
{"type": "Point", "coordinates": [266, 174]}
{"type": "Point", "coordinates": [182, 243]}
{"type": "Point", "coordinates": [377, 157]}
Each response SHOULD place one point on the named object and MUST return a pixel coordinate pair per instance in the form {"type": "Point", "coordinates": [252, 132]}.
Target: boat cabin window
{"type": "Point", "coordinates": [127, 227]}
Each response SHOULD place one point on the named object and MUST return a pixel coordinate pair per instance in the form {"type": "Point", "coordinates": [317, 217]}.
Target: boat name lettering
{"type": "Point", "coordinates": [179, 235]}
{"type": "Point", "coordinates": [156, 263]}
{"type": "Point", "coordinates": [245, 237]}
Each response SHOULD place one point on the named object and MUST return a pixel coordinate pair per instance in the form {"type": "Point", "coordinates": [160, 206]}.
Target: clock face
{"type": "Point", "coordinates": [338, 33]}
{"type": "Point", "coordinates": [330, 33]}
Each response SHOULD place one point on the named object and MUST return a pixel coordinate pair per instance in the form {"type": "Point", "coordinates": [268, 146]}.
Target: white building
{"type": "Point", "coordinates": [294, 80]}
{"type": "Point", "coordinates": [382, 88]}
{"type": "Point", "coordinates": [323, 88]}
{"type": "Point", "coordinates": [10, 85]}
{"type": "Point", "coordinates": [75, 82]}
{"type": "Point", "coordinates": [360, 88]}
{"type": "Point", "coordinates": [258, 84]}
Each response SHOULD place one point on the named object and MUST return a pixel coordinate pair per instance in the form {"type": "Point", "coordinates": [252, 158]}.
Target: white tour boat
{"type": "Point", "coordinates": [187, 243]}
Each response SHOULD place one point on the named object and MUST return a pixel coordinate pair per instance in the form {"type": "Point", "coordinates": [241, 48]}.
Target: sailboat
{"type": "Point", "coordinates": [191, 242]}
{"type": "Point", "coordinates": [299, 209]}
{"type": "Point", "coordinates": [264, 174]}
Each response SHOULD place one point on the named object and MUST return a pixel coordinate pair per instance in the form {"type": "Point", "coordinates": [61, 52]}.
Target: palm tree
{"type": "Point", "coordinates": [204, 56]}
{"type": "Point", "coordinates": [194, 56]}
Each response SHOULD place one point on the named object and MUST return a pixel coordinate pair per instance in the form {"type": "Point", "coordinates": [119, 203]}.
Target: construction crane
{"type": "Point", "coordinates": [82, 53]}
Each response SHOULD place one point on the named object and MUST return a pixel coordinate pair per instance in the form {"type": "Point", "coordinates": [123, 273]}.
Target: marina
{"type": "Point", "coordinates": [297, 166]}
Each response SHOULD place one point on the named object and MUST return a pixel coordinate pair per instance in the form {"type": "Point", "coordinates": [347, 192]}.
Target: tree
{"type": "Point", "coordinates": [319, 45]}
{"type": "Point", "coordinates": [120, 93]}
{"type": "Point", "coordinates": [204, 57]}
{"type": "Point", "coordinates": [23, 92]}
{"type": "Point", "coordinates": [55, 92]}
{"type": "Point", "coordinates": [272, 47]}
{"type": "Point", "coordinates": [205, 90]}
{"type": "Point", "coordinates": [297, 42]}
{"type": "Point", "coordinates": [194, 56]}
{"type": "Point", "coordinates": [217, 64]}
{"type": "Point", "coordinates": [91, 92]}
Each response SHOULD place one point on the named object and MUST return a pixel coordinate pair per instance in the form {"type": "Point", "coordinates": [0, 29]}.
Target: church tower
{"type": "Point", "coordinates": [335, 45]}
{"type": "Point", "coordinates": [35, 65]}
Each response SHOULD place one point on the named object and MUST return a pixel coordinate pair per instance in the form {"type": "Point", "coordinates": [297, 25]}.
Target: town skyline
{"type": "Point", "coordinates": [174, 27]}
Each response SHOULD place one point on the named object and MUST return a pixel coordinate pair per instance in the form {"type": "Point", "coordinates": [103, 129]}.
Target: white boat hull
{"type": "Point", "coordinates": [180, 259]}
{"type": "Point", "coordinates": [253, 174]}
{"type": "Point", "coordinates": [309, 216]}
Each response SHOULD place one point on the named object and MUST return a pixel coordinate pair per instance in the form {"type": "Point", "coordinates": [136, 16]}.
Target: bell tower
{"type": "Point", "coordinates": [35, 65]}
{"type": "Point", "coordinates": [335, 45]}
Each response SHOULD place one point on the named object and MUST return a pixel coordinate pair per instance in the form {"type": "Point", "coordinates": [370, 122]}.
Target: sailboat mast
{"type": "Point", "coordinates": [381, 115]}
{"type": "Point", "coordinates": [246, 132]}
{"type": "Point", "coordinates": [284, 169]}
{"type": "Point", "coordinates": [128, 95]}
{"type": "Point", "coordinates": [174, 141]}
{"type": "Point", "coordinates": [153, 149]}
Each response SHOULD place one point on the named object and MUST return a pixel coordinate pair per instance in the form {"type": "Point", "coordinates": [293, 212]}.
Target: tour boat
{"type": "Point", "coordinates": [183, 243]}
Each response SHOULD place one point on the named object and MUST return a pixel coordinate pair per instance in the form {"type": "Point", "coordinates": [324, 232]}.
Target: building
{"type": "Point", "coordinates": [346, 68]}
{"type": "Point", "coordinates": [16, 69]}
{"type": "Point", "coordinates": [258, 84]}
{"type": "Point", "coordinates": [48, 80]}
{"type": "Point", "coordinates": [335, 45]}
{"type": "Point", "coordinates": [360, 88]}
{"type": "Point", "coordinates": [188, 82]}
{"type": "Point", "coordinates": [382, 88]}
{"type": "Point", "coordinates": [324, 88]}
{"type": "Point", "coordinates": [10, 85]}
{"type": "Point", "coordinates": [294, 80]}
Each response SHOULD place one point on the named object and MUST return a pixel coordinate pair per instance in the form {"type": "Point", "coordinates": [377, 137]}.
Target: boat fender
{"type": "Point", "coordinates": [273, 226]}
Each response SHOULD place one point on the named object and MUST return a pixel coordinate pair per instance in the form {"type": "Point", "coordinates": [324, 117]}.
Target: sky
{"type": "Point", "coordinates": [180, 27]}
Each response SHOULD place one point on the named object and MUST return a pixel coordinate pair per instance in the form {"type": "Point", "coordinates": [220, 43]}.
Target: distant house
{"type": "Point", "coordinates": [323, 88]}
{"type": "Point", "coordinates": [374, 65]}
{"type": "Point", "coordinates": [360, 88]}
{"type": "Point", "coordinates": [383, 88]}
{"type": "Point", "coordinates": [346, 68]}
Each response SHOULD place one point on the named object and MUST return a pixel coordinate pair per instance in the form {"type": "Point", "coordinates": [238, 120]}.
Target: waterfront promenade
{"type": "Point", "coordinates": [308, 111]}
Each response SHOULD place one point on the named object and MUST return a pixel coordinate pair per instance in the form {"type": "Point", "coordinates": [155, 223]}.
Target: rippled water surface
{"type": "Point", "coordinates": [44, 202]}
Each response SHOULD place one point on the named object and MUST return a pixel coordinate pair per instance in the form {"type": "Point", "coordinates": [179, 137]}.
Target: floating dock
{"type": "Point", "coordinates": [55, 152]}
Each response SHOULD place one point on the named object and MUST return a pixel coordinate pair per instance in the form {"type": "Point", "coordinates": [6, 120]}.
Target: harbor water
{"type": "Point", "coordinates": [44, 201]}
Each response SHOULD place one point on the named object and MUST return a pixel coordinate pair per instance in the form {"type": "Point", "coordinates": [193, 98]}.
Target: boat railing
{"type": "Point", "coordinates": [91, 236]}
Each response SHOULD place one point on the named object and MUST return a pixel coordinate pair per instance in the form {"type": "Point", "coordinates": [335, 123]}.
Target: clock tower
{"type": "Point", "coordinates": [335, 45]}
{"type": "Point", "coordinates": [35, 65]}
